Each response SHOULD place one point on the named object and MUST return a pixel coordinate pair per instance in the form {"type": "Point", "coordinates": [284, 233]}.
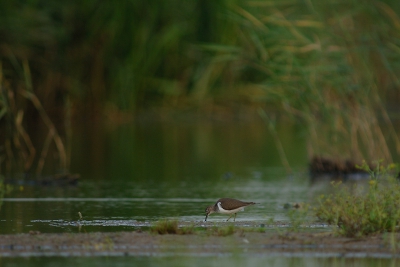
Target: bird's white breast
{"type": "Point", "coordinates": [221, 210]}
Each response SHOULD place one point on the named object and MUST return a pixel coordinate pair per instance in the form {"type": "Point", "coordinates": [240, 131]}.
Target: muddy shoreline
{"type": "Point", "coordinates": [144, 243]}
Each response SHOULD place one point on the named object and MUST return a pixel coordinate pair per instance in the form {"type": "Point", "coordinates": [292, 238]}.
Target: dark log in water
{"type": "Point", "coordinates": [67, 179]}
{"type": "Point", "coordinates": [336, 169]}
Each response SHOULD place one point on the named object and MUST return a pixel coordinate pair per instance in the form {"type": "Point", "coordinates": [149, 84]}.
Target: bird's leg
{"type": "Point", "coordinates": [234, 217]}
{"type": "Point", "coordinates": [229, 217]}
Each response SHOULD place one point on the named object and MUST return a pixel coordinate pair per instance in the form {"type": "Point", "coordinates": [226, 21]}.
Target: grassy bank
{"type": "Point", "coordinates": [360, 210]}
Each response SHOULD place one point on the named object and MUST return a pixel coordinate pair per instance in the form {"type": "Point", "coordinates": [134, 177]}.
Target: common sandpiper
{"type": "Point", "coordinates": [227, 206]}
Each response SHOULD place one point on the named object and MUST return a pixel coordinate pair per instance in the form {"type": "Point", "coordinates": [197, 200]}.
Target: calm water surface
{"type": "Point", "coordinates": [148, 171]}
{"type": "Point", "coordinates": [274, 261]}
{"type": "Point", "coordinates": [134, 175]}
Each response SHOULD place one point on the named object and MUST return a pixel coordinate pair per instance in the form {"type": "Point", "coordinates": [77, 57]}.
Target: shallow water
{"type": "Point", "coordinates": [127, 207]}
{"type": "Point", "coordinates": [222, 260]}
{"type": "Point", "coordinates": [148, 171]}
{"type": "Point", "coordinates": [134, 175]}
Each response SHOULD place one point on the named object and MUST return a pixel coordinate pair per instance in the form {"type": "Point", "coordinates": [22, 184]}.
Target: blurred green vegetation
{"type": "Point", "coordinates": [4, 189]}
{"type": "Point", "coordinates": [373, 209]}
{"type": "Point", "coordinates": [332, 65]}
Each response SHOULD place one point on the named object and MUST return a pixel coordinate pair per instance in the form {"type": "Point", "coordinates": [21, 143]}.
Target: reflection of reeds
{"type": "Point", "coordinates": [19, 147]}
{"type": "Point", "coordinates": [52, 134]}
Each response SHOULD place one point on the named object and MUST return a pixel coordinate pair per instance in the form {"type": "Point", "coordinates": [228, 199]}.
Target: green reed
{"type": "Point", "coordinates": [330, 65]}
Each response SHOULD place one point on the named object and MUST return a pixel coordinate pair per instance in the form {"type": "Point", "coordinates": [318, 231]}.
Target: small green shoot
{"type": "Point", "coordinates": [4, 190]}
{"type": "Point", "coordinates": [298, 217]}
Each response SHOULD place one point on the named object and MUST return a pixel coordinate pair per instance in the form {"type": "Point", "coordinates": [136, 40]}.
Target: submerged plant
{"type": "Point", "coordinates": [170, 227]}
{"type": "Point", "coordinates": [165, 227]}
{"type": "Point", "coordinates": [362, 210]}
{"type": "Point", "coordinates": [223, 231]}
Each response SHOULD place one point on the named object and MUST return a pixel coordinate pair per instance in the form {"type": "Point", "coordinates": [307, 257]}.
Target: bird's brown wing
{"type": "Point", "coordinates": [231, 203]}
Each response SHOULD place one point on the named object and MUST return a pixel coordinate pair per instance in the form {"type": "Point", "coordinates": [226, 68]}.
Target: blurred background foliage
{"type": "Point", "coordinates": [331, 65]}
